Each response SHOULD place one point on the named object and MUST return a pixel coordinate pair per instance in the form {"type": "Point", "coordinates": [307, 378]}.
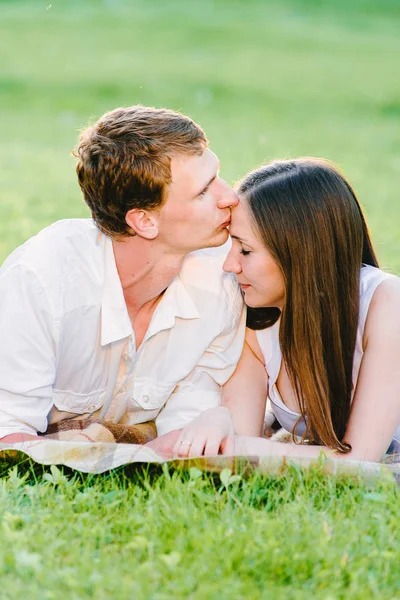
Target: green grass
{"type": "Point", "coordinates": [266, 79]}
{"type": "Point", "coordinates": [187, 535]}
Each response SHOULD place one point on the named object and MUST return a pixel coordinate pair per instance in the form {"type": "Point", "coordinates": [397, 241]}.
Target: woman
{"type": "Point", "coordinates": [323, 337]}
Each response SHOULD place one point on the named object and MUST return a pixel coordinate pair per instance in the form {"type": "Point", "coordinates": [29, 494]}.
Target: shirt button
{"type": "Point", "coordinates": [125, 357]}
{"type": "Point", "coordinates": [145, 399]}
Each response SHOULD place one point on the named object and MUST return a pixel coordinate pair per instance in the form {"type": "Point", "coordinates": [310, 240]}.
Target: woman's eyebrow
{"type": "Point", "coordinates": [236, 237]}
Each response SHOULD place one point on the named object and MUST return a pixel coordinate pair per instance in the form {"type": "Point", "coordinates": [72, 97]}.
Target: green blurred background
{"type": "Point", "coordinates": [265, 78]}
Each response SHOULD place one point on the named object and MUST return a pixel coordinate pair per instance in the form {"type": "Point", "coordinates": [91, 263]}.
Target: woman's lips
{"type": "Point", "coordinates": [244, 286]}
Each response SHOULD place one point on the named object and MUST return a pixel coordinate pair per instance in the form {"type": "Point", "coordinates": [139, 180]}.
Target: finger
{"type": "Point", "coordinates": [174, 435]}
{"type": "Point", "coordinates": [228, 445]}
{"type": "Point", "coordinates": [169, 439]}
{"type": "Point", "coordinates": [212, 446]}
{"type": "Point", "coordinates": [183, 435]}
{"type": "Point", "coordinates": [183, 442]}
{"type": "Point", "coordinates": [184, 448]}
{"type": "Point", "coordinates": [164, 443]}
{"type": "Point", "coordinates": [176, 446]}
{"type": "Point", "coordinates": [197, 447]}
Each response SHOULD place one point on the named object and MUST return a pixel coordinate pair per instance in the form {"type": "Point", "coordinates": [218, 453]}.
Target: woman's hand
{"type": "Point", "coordinates": [211, 432]}
{"type": "Point", "coordinates": [248, 445]}
{"type": "Point", "coordinates": [14, 438]}
{"type": "Point", "coordinates": [164, 444]}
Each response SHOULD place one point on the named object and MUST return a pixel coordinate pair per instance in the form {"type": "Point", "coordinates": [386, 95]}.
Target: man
{"type": "Point", "coordinates": [117, 319]}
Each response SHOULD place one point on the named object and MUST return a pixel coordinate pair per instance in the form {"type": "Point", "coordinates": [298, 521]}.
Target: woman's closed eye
{"type": "Point", "coordinates": [244, 252]}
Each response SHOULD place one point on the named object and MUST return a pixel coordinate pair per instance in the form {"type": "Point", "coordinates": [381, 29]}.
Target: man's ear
{"type": "Point", "coordinates": [143, 222]}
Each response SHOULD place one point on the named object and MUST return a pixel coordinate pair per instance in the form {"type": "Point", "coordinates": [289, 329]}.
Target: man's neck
{"type": "Point", "coordinates": [145, 271]}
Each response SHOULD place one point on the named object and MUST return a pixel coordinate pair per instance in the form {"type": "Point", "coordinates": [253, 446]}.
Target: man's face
{"type": "Point", "coordinates": [197, 209]}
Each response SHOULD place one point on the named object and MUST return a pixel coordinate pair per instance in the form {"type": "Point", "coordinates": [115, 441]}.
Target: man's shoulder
{"type": "Point", "coordinates": [54, 244]}
{"type": "Point", "coordinates": [66, 232]}
{"type": "Point", "coordinates": [71, 248]}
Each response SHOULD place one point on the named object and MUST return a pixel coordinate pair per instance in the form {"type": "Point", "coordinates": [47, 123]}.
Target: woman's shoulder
{"type": "Point", "coordinates": [253, 342]}
{"type": "Point", "coordinates": [387, 293]}
{"type": "Point", "coordinates": [264, 342]}
{"type": "Point", "coordinates": [370, 278]}
{"type": "Point", "coordinates": [383, 285]}
{"type": "Point", "coordinates": [383, 312]}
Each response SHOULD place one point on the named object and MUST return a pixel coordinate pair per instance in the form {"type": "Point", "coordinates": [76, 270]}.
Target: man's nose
{"type": "Point", "coordinates": [227, 197]}
{"type": "Point", "coordinates": [231, 264]}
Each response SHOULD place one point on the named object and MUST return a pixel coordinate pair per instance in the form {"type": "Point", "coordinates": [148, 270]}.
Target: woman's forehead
{"type": "Point", "coordinates": [240, 226]}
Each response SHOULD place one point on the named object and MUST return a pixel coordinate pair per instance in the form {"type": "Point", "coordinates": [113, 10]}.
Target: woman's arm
{"type": "Point", "coordinates": [245, 393]}
{"type": "Point", "coordinates": [375, 411]}
{"type": "Point", "coordinates": [243, 408]}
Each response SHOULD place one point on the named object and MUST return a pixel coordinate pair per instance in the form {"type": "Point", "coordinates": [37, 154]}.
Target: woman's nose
{"type": "Point", "coordinates": [231, 264]}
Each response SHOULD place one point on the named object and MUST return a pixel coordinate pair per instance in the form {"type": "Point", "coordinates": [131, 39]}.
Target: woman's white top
{"type": "Point", "coordinates": [268, 340]}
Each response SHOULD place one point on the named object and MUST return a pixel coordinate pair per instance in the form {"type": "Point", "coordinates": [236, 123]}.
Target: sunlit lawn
{"type": "Point", "coordinates": [265, 79]}
{"type": "Point", "coordinates": [178, 535]}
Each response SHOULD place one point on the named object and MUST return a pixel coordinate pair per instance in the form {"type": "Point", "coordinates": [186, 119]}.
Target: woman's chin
{"type": "Point", "coordinates": [254, 299]}
{"type": "Point", "coordinates": [254, 302]}
{"type": "Point", "coordinates": [251, 303]}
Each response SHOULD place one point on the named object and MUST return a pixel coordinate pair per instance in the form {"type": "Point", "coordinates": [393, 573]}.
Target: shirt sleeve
{"type": "Point", "coordinates": [201, 389]}
{"type": "Point", "coordinates": [27, 357]}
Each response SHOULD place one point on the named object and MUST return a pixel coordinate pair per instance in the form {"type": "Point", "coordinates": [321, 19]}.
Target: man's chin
{"type": "Point", "coordinates": [216, 242]}
{"type": "Point", "coordinates": [219, 240]}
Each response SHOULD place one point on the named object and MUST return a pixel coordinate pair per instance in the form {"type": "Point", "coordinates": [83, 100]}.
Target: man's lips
{"type": "Point", "coordinates": [226, 223]}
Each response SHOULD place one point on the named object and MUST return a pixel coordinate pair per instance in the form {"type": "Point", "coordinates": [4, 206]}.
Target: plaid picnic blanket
{"type": "Point", "coordinates": [96, 430]}
{"type": "Point", "coordinates": [95, 446]}
{"type": "Point", "coordinates": [102, 456]}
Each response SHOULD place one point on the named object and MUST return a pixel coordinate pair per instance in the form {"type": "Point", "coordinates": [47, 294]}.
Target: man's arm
{"type": "Point", "coordinates": [26, 355]}
{"type": "Point", "coordinates": [201, 389]}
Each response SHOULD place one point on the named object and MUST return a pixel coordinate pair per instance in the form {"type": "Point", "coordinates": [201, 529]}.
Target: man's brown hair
{"type": "Point", "coordinates": [124, 161]}
{"type": "Point", "coordinates": [308, 217]}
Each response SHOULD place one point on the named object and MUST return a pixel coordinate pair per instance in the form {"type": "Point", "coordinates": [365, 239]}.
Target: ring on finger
{"type": "Point", "coordinates": [186, 442]}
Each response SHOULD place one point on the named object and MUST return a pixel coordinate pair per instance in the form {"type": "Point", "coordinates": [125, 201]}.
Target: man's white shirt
{"type": "Point", "coordinates": [67, 347]}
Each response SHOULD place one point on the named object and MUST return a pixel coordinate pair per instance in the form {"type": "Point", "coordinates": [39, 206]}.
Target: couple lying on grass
{"type": "Point", "coordinates": [133, 322]}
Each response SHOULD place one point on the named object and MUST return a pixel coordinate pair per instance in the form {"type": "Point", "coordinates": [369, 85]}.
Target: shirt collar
{"type": "Point", "coordinates": [175, 303]}
{"type": "Point", "coordinates": [115, 322]}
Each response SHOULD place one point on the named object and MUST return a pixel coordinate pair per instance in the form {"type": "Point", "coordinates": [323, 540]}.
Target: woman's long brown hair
{"type": "Point", "coordinates": [309, 218]}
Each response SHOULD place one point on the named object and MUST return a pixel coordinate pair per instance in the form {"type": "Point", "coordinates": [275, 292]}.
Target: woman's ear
{"type": "Point", "coordinates": [142, 222]}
